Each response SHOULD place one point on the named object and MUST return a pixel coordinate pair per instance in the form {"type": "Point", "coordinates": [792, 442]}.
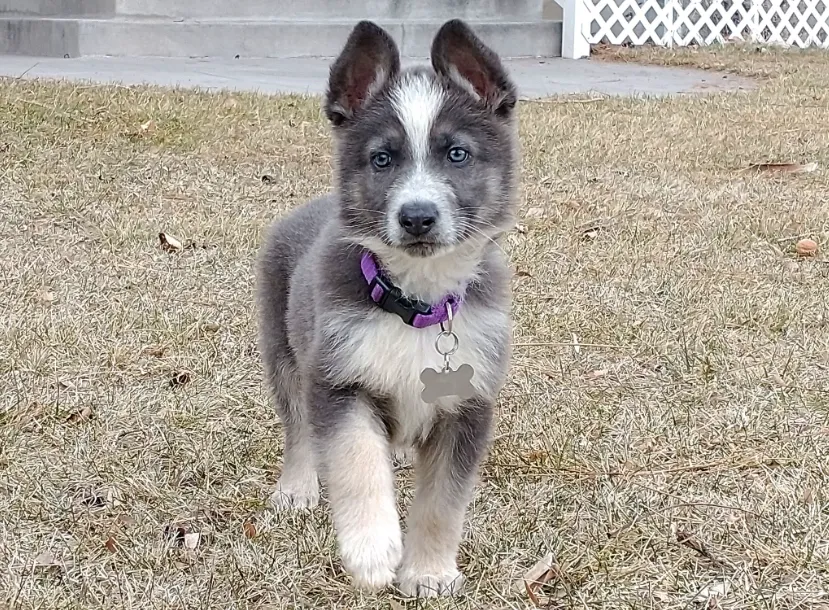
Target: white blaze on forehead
{"type": "Point", "coordinates": [417, 100]}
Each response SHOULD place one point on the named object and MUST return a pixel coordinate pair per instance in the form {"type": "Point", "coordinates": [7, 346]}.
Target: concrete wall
{"type": "Point", "coordinates": [551, 10]}
{"type": "Point", "coordinates": [518, 10]}
{"type": "Point", "coordinates": [262, 28]}
{"type": "Point", "coordinates": [58, 7]}
{"type": "Point", "coordinates": [500, 10]}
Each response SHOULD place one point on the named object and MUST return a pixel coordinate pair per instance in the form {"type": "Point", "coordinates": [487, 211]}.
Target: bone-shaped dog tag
{"type": "Point", "coordinates": [440, 384]}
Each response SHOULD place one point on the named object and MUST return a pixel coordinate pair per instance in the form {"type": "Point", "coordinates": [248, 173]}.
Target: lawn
{"type": "Point", "coordinates": [664, 432]}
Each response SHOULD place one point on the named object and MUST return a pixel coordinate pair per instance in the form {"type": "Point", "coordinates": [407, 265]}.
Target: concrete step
{"type": "Point", "coordinates": [507, 10]}
{"type": "Point", "coordinates": [58, 8]}
{"type": "Point", "coordinates": [228, 38]}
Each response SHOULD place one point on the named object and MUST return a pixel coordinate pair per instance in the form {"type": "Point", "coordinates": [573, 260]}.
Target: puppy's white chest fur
{"type": "Point", "coordinates": [387, 357]}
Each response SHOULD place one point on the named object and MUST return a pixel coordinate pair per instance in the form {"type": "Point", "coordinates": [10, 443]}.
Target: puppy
{"type": "Point", "coordinates": [355, 288]}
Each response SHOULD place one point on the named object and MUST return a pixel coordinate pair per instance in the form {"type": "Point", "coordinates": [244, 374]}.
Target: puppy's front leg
{"type": "Point", "coordinates": [446, 470]}
{"type": "Point", "coordinates": [355, 452]}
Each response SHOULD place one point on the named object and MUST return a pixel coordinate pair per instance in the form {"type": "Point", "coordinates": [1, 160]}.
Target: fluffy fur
{"type": "Point", "coordinates": [344, 374]}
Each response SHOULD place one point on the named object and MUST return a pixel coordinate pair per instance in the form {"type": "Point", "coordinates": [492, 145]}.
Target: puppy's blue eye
{"type": "Point", "coordinates": [381, 160]}
{"type": "Point", "coordinates": [458, 154]}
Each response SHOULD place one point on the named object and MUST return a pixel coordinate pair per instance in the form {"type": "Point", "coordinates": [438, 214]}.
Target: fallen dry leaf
{"type": "Point", "coordinates": [576, 346]}
{"type": "Point", "coordinates": [125, 520]}
{"type": "Point", "coordinates": [169, 243]}
{"type": "Point", "coordinates": [146, 126]}
{"type": "Point", "coordinates": [249, 528]}
{"type": "Point", "coordinates": [646, 445]}
{"type": "Point", "coordinates": [157, 351]}
{"type": "Point", "coordinates": [536, 455]}
{"type": "Point", "coordinates": [210, 327]}
{"type": "Point", "coordinates": [540, 574]}
{"type": "Point", "coordinates": [64, 384]}
{"type": "Point", "coordinates": [535, 212]}
{"type": "Point", "coordinates": [715, 590]}
{"type": "Point", "coordinates": [692, 542]}
{"type": "Point", "coordinates": [783, 168]}
{"type": "Point", "coordinates": [45, 297]}
{"type": "Point", "coordinates": [806, 247]}
{"type": "Point", "coordinates": [113, 497]}
{"type": "Point", "coordinates": [191, 540]}
{"type": "Point", "coordinates": [93, 498]}
{"type": "Point", "coordinates": [80, 416]}
{"type": "Point", "coordinates": [598, 373]}
{"type": "Point", "coordinates": [790, 266]}
{"type": "Point", "coordinates": [180, 378]}
{"type": "Point", "coordinates": [46, 560]}
{"type": "Point", "coordinates": [175, 533]}
{"type": "Point", "coordinates": [590, 234]}
{"type": "Point", "coordinates": [109, 545]}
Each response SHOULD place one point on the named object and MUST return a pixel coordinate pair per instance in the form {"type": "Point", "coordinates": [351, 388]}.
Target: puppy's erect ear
{"type": "Point", "coordinates": [367, 62]}
{"type": "Point", "coordinates": [458, 54]}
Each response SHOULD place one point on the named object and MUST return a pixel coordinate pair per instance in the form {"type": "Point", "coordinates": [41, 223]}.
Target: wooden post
{"type": "Point", "coordinates": [575, 29]}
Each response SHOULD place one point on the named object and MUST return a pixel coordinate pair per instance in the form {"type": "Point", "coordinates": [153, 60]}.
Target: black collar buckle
{"type": "Point", "coordinates": [393, 301]}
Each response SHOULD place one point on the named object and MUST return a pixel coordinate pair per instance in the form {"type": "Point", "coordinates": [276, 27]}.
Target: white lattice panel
{"type": "Point", "coordinates": [631, 21]}
{"type": "Point", "coordinates": [684, 22]}
{"type": "Point", "coordinates": [712, 21]}
{"type": "Point", "coordinates": [802, 23]}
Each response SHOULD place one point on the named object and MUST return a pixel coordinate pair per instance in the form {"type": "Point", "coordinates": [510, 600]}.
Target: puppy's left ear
{"type": "Point", "coordinates": [458, 54]}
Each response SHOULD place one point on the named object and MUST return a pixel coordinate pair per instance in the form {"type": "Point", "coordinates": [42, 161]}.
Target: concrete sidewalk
{"type": "Point", "coordinates": [535, 77]}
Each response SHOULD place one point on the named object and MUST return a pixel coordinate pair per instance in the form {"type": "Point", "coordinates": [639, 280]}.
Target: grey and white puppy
{"type": "Point", "coordinates": [426, 173]}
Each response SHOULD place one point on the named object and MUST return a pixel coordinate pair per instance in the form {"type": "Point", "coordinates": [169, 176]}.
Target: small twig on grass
{"type": "Point", "coordinates": [55, 110]}
{"type": "Point", "coordinates": [780, 168]}
{"type": "Point", "coordinates": [570, 344]}
{"type": "Point", "coordinates": [580, 100]}
{"type": "Point", "coordinates": [27, 70]}
{"type": "Point", "coordinates": [806, 388]}
{"type": "Point", "coordinates": [692, 542]}
{"type": "Point", "coordinates": [655, 511]}
{"type": "Point", "coordinates": [781, 240]}
{"type": "Point", "coordinates": [638, 473]}
{"type": "Point", "coordinates": [683, 504]}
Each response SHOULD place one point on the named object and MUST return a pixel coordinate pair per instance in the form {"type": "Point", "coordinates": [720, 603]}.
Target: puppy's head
{"type": "Point", "coordinates": [426, 157]}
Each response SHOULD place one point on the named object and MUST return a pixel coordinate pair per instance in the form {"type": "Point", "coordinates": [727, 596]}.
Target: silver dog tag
{"type": "Point", "coordinates": [447, 382]}
{"type": "Point", "coordinates": [440, 384]}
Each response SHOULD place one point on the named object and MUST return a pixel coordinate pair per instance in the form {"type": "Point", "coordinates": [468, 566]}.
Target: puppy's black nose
{"type": "Point", "coordinates": [418, 218]}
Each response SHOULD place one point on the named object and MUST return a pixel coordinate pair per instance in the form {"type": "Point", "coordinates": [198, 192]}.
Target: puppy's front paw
{"type": "Point", "coordinates": [296, 495]}
{"type": "Point", "coordinates": [371, 559]}
{"type": "Point", "coordinates": [413, 583]}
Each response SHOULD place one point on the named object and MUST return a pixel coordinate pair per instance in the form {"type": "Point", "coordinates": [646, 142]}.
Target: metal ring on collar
{"type": "Point", "coordinates": [448, 334]}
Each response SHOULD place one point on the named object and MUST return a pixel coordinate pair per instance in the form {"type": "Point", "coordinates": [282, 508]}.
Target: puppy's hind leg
{"type": "Point", "coordinates": [298, 485]}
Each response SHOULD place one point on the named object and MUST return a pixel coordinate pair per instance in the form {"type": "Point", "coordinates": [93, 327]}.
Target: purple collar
{"type": "Point", "coordinates": [411, 311]}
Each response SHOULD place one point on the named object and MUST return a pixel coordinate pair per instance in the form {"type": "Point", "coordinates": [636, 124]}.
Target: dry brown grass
{"type": "Point", "coordinates": [697, 403]}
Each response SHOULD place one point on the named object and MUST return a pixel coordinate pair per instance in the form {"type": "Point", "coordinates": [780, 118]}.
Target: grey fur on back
{"type": "Point", "coordinates": [343, 373]}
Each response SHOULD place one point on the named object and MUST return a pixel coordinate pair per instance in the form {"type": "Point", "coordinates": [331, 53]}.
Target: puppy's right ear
{"type": "Point", "coordinates": [366, 64]}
